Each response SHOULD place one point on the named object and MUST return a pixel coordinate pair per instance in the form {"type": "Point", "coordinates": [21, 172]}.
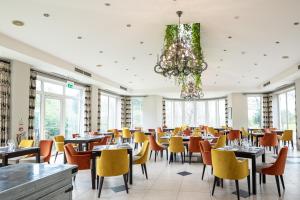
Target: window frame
{"type": "Point", "coordinates": [117, 122]}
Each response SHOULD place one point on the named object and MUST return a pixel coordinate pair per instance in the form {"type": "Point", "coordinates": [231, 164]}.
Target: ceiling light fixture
{"type": "Point", "coordinates": [243, 52]}
{"type": "Point", "coordinates": [296, 23]}
{"type": "Point", "coordinates": [107, 4]}
{"type": "Point", "coordinates": [98, 65]}
{"type": "Point", "coordinates": [277, 42]}
{"type": "Point", "coordinates": [17, 23]}
{"type": "Point", "coordinates": [229, 37]}
{"type": "Point", "coordinates": [284, 57]}
{"type": "Point", "coordinates": [100, 51]}
{"type": "Point", "coordinates": [46, 15]}
{"type": "Point", "coordinates": [79, 37]}
{"type": "Point", "coordinates": [128, 25]}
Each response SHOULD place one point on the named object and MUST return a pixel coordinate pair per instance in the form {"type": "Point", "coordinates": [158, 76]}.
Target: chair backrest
{"type": "Point", "coordinates": [139, 137]}
{"type": "Point", "coordinates": [176, 144]}
{"type": "Point", "coordinates": [26, 143]}
{"type": "Point", "coordinates": [269, 140]}
{"type": "Point", "coordinates": [226, 166]}
{"type": "Point", "coordinates": [245, 133]}
{"type": "Point", "coordinates": [153, 144]}
{"type": "Point", "coordinates": [159, 139]}
{"type": "Point", "coordinates": [69, 150]}
{"type": "Point", "coordinates": [234, 135]}
{"type": "Point", "coordinates": [221, 142]}
{"type": "Point", "coordinates": [187, 132]}
{"type": "Point", "coordinates": [144, 152]}
{"type": "Point", "coordinates": [279, 165]}
{"type": "Point", "coordinates": [116, 133]}
{"type": "Point", "coordinates": [267, 130]}
{"type": "Point", "coordinates": [113, 162]}
{"type": "Point", "coordinates": [211, 130]}
{"type": "Point", "coordinates": [194, 144]}
{"type": "Point", "coordinates": [205, 149]}
{"type": "Point", "coordinates": [287, 135]}
{"type": "Point", "coordinates": [126, 133]}
{"type": "Point", "coordinates": [159, 130]}
{"type": "Point", "coordinates": [45, 149]}
{"type": "Point", "coordinates": [59, 142]}
{"type": "Point", "coordinates": [176, 130]}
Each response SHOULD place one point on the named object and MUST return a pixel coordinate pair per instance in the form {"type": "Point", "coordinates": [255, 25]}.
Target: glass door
{"type": "Point", "coordinates": [52, 117]}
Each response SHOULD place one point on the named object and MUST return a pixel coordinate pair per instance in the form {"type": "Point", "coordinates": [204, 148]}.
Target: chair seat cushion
{"type": "Point", "coordinates": [261, 166]}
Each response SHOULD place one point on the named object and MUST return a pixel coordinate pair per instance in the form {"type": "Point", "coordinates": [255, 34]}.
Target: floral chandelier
{"type": "Point", "coordinates": [182, 58]}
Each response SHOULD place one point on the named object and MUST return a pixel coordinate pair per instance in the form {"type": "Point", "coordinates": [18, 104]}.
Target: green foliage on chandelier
{"type": "Point", "coordinates": [170, 35]}
{"type": "Point", "coordinates": [196, 42]}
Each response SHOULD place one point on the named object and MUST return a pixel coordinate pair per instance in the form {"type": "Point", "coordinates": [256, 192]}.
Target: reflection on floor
{"type": "Point", "coordinates": [183, 181]}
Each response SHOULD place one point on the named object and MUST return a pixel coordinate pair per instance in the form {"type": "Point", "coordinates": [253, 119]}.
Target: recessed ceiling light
{"type": "Point", "coordinates": [243, 52]}
{"type": "Point", "coordinates": [100, 51]}
{"type": "Point", "coordinates": [141, 42]}
{"type": "Point", "coordinates": [217, 74]}
{"type": "Point", "coordinates": [215, 82]}
{"type": "Point", "coordinates": [107, 4]}
{"type": "Point", "coordinates": [224, 50]}
{"type": "Point", "coordinates": [277, 42]}
{"type": "Point", "coordinates": [46, 15]}
{"type": "Point", "coordinates": [296, 23]}
{"type": "Point", "coordinates": [17, 23]}
{"type": "Point", "coordinates": [98, 65]}
{"type": "Point", "coordinates": [128, 25]}
{"type": "Point", "coordinates": [221, 59]}
{"type": "Point", "coordinates": [134, 75]}
{"type": "Point", "coordinates": [255, 64]}
{"type": "Point", "coordinates": [284, 57]}
{"type": "Point", "coordinates": [236, 17]}
{"type": "Point", "coordinates": [126, 69]}
{"type": "Point", "coordinates": [256, 77]}
{"type": "Point", "coordinates": [229, 37]}
{"type": "Point", "coordinates": [133, 58]}
{"type": "Point", "coordinates": [265, 54]}
{"type": "Point", "coordinates": [239, 82]}
{"type": "Point", "coordinates": [218, 67]}
{"type": "Point", "coordinates": [79, 37]}
{"type": "Point", "coordinates": [150, 54]}
{"type": "Point", "coordinates": [115, 61]}
{"type": "Point", "coordinates": [243, 76]}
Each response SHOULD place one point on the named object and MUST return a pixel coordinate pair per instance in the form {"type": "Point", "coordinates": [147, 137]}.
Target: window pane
{"type": "Point", "coordinates": [37, 117]}
{"type": "Point", "coordinates": [222, 112]}
{"type": "Point", "coordinates": [104, 113]}
{"type": "Point", "coordinates": [72, 92]}
{"type": "Point", "coordinates": [177, 113]}
{"type": "Point", "coordinates": [52, 117]}
{"type": "Point", "coordinates": [53, 88]}
{"type": "Point", "coordinates": [112, 113]}
{"type": "Point", "coordinates": [201, 113]}
{"type": "Point", "coordinates": [291, 111]}
{"type": "Point", "coordinates": [169, 113]}
{"type": "Point", "coordinates": [118, 113]}
{"type": "Point", "coordinates": [72, 117]}
{"type": "Point", "coordinates": [212, 113]}
{"type": "Point", "coordinates": [282, 111]}
{"type": "Point", "coordinates": [254, 112]}
{"type": "Point", "coordinates": [136, 111]}
{"type": "Point", "coordinates": [189, 113]}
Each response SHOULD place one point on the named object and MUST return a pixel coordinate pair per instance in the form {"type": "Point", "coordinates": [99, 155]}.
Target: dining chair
{"type": "Point", "coordinates": [176, 146]}
{"type": "Point", "coordinates": [187, 132]}
{"type": "Point", "coordinates": [102, 141]}
{"type": "Point", "coordinates": [116, 133]}
{"type": "Point", "coordinates": [138, 138]}
{"type": "Point", "coordinates": [196, 132]}
{"type": "Point", "coordinates": [227, 166]}
{"type": "Point", "coordinates": [212, 131]}
{"type": "Point", "coordinates": [245, 133]}
{"type": "Point", "coordinates": [287, 136]}
{"type": "Point", "coordinates": [154, 146]}
{"type": "Point", "coordinates": [267, 130]}
{"type": "Point", "coordinates": [161, 141]}
{"type": "Point", "coordinates": [221, 142]}
{"type": "Point", "coordinates": [159, 130]}
{"type": "Point", "coordinates": [113, 162]}
{"type": "Point", "coordinates": [205, 150]}
{"type": "Point", "coordinates": [193, 146]}
{"type": "Point", "coordinates": [59, 145]}
{"type": "Point", "coordinates": [270, 140]}
{"type": "Point", "coordinates": [45, 153]}
{"type": "Point", "coordinates": [274, 169]}
{"type": "Point", "coordinates": [176, 131]}
{"type": "Point", "coordinates": [142, 157]}
{"type": "Point", "coordinates": [26, 143]}
{"type": "Point", "coordinates": [126, 135]}
{"type": "Point", "coordinates": [79, 158]}
{"type": "Point", "coordinates": [234, 135]}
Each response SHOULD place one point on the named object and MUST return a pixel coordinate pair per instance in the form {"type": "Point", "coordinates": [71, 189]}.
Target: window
{"type": "Point", "coordinates": [110, 112]}
{"type": "Point", "coordinates": [58, 109]}
{"type": "Point", "coordinates": [195, 113]}
{"type": "Point", "coordinates": [137, 111]}
{"type": "Point", "coordinates": [254, 111]}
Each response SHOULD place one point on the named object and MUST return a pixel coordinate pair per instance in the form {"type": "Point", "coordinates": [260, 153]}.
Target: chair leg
{"type": "Point", "coordinates": [182, 158]}
{"type": "Point", "coordinates": [55, 157]}
{"type": "Point", "coordinates": [204, 166]}
{"type": "Point", "coordinates": [282, 182]}
{"type": "Point", "coordinates": [150, 154]}
{"type": "Point", "coordinates": [237, 189]}
{"type": "Point", "coordinates": [97, 182]}
{"type": "Point", "coordinates": [190, 157]}
{"type": "Point", "coordinates": [278, 185]}
{"type": "Point", "coordinates": [213, 190]}
{"type": "Point", "coordinates": [145, 169]}
{"type": "Point", "coordinates": [248, 181]}
{"type": "Point", "coordinates": [100, 187]}
{"type": "Point", "coordinates": [155, 154]}
{"type": "Point", "coordinates": [167, 154]}
{"type": "Point", "coordinates": [142, 169]}
{"type": "Point", "coordinates": [125, 182]}
{"type": "Point", "coordinates": [74, 178]}
{"type": "Point", "coordinates": [292, 144]}
{"type": "Point", "coordinates": [171, 157]}
{"type": "Point", "coordinates": [222, 183]}
{"type": "Point", "coordinates": [161, 153]}
{"type": "Point", "coordinates": [260, 178]}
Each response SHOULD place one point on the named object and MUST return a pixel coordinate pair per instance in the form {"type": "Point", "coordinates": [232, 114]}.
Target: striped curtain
{"type": "Point", "coordinates": [267, 111]}
{"type": "Point", "coordinates": [164, 113]}
{"type": "Point", "coordinates": [99, 110]}
{"type": "Point", "coordinates": [125, 111]}
{"type": "Point", "coordinates": [87, 110]}
{"type": "Point", "coordinates": [226, 112]}
{"type": "Point", "coordinates": [4, 100]}
{"type": "Point", "coordinates": [32, 91]}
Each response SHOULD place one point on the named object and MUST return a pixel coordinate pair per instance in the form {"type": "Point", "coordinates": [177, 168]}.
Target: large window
{"type": "Point", "coordinates": [287, 111]}
{"type": "Point", "coordinates": [137, 111]}
{"type": "Point", "coordinates": [254, 111]}
{"type": "Point", "coordinates": [110, 112]}
{"type": "Point", "coordinates": [195, 113]}
{"type": "Point", "coordinates": [58, 109]}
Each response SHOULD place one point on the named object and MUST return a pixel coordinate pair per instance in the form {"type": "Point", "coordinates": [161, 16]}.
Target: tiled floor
{"type": "Point", "coordinates": [165, 183]}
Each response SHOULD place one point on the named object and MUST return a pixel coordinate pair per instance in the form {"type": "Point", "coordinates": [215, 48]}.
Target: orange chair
{"type": "Point", "coordinates": [187, 132]}
{"type": "Point", "coordinates": [267, 130]}
{"type": "Point", "coordinates": [270, 140]}
{"type": "Point", "coordinates": [159, 130]}
{"type": "Point", "coordinates": [234, 135]}
{"type": "Point", "coordinates": [45, 153]}
{"type": "Point", "coordinates": [205, 150]}
{"type": "Point", "coordinates": [275, 169]}
{"type": "Point", "coordinates": [100, 142]}
{"type": "Point", "coordinates": [81, 159]}
{"type": "Point", "coordinates": [193, 146]}
{"type": "Point", "coordinates": [156, 148]}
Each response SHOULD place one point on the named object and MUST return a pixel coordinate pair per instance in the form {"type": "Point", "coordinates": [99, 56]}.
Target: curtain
{"type": "Point", "coordinates": [32, 93]}
{"type": "Point", "coordinates": [4, 100]}
{"type": "Point", "coordinates": [125, 111]}
{"type": "Point", "coordinates": [164, 113]}
{"type": "Point", "coordinates": [87, 110]}
{"type": "Point", "coordinates": [267, 111]}
{"type": "Point", "coordinates": [99, 110]}
{"type": "Point", "coordinates": [226, 112]}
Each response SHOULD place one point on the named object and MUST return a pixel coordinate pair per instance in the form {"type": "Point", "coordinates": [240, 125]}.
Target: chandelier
{"type": "Point", "coordinates": [182, 58]}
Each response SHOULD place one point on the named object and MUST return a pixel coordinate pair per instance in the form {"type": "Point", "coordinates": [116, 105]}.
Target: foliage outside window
{"type": "Point", "coordinates": [254, 111]}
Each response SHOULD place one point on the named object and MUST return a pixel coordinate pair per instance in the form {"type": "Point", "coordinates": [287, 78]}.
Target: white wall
{"type": "Point", "coordinates": [20, 80]}
{"type": "Point", "coordinates": [238, 102]}
{"type": "Point", "coordinates": [94, 107]}
{"type": "Point", "coordinates": [152, 111]}
{"type": "Point", "coordinates": [297, 91]}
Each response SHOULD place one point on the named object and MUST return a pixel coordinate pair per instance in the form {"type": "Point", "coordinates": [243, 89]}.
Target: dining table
{"type": "Point", "coordinates": [6, 153]}
{"type": "Point", "coordinates": [252, 153]}
{"type": "Point", "coordinates": [96, 152]}
{"type": "Point", "coordinates": [187, 138]}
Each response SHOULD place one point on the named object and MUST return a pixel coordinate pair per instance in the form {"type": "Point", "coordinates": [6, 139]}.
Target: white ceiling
{"type": "Point", "coordinates": [254, 25]}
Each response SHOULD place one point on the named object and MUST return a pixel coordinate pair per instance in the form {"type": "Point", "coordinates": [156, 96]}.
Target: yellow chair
{"type": "Point", "coordinates": [287, 136]}
{"type": "Point", "coordinates": [26, 143]}
{"type": "Point", "coordinates": [112, 163]}
{"type": "Point", "coordinates": [212, 131]}
{"type": "Point", "coordinates": [245, 133]}
{"type": "Point", "coordinates": [221, 142]}
{"type": "Point", "coordinates": [176, 146]}
{"type": "Point", "coordinates": [196, 132]}
{"type": "Point", "coordinates": [226, 166]}
{"type": "Point", "coordinates": [142, 157]}
{"type": "Point", "coordinates": [176, 131]}
{"type": "Point", "coordinates": [161, 141]}
{"type": "Point", "coordinates": [126, 135]}
{"type": "Point", "coordinates": [138, 137]}
{"type": "Point", "coordinates": [59, 142]}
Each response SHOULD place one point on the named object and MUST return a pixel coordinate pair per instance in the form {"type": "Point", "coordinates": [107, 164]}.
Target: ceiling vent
{"type": "Point", "coordinates": [266, 84]}
{"type": "Point", "coordinates": [83, 72]}
{"type": "Point", "coordinates": [123, 88]}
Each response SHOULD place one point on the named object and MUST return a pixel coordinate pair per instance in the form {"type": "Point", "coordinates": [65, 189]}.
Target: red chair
{"type": "Point", "coordinates": [187, 132]}
{"type": "Point", "coordinates": [100, 142]}
{"type": "Point", "coordinates": [205, 150]}
{"type": "Point", "coordinates": [270, 140]}
{"type": "Point", "coordinates": [234, 135]}
{"type": "Point", "coordinates": [275, 169]}
{"type": "Point", "coordinates": [45, 153]}
{"type": "Point", "coordinates": [156, 148]}
{"type": "Point", "coordinates": [267, 130]}
{"type": "Point", "coordinates": [193, 146]}
{"type": "Point", "coordinates": [81, 159]}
